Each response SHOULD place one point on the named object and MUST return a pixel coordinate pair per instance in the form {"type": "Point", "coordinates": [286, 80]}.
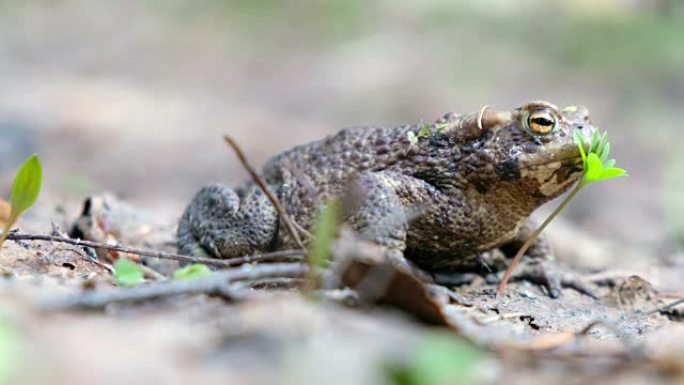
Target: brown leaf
{"type": "Point", "coordinates": [383, 283]}
{"type": "Point", "coordinates": [363, 267]}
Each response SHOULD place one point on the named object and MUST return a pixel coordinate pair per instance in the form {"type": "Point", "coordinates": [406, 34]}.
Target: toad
{"type": "Point", "coordinates": [440, 197]}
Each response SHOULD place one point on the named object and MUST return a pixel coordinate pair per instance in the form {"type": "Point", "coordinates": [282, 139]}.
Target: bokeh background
{"type": "Point", "coordinates": [132, 96]}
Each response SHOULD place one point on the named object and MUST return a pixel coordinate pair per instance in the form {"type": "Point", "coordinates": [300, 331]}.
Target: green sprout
{"type": "Point", "coordinates": [324, 230]}
{"type": "Point", "coordinates": [596, 167]}
{"type": "Point", "coordinates": [127, 273]}
{"type": "Point", "coordinates": [24, 193]}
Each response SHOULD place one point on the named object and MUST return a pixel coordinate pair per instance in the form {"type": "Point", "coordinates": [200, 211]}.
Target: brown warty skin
{"type": "Point", "coordinates": [442, 196]}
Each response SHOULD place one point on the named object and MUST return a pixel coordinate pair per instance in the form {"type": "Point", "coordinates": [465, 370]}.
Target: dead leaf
{"type": "Point", "coordinates": [363, 267]}
{"type": "Point", "coordinates": [388, 285]}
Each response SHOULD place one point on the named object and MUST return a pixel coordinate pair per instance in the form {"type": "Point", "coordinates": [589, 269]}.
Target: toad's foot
{"type": "Point", "coordinates": [546, 274]}
{"type": "Point", "coordinates": [542, 272]}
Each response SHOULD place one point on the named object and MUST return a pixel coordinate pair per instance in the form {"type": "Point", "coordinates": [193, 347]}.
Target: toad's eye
{"type": "Point", "coordinates": [541, 122]}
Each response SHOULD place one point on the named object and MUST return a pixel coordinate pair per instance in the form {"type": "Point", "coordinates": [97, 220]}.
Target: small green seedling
{"type": "Point", "coordinates": [596, 166]}
{"type": "Point", "coordinates": [127, 273]}
{"type": "Point", "coordinates": [25, 191]}
{"type": "Point", "coordinates": [196, 270]}
{"type": "Point", "coordinates": [324, 230]}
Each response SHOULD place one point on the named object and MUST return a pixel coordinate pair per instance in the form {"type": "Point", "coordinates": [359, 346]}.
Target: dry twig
{"type": "Point", "coordinates": [667, 307]}
{"type": "Point", "coordinates": [219, 283]}
{"type": "Point", "coordinates": [275, 255]}
{"type": "Point", "coordinates": [289, 223]}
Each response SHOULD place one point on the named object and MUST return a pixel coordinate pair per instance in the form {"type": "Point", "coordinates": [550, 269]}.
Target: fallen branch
{"type": "Point", "coordinates": [275, 255]}
{"type": "Point", "coordinates": [220, 283]}
{"type": "Point", "coordinates": [289, 223]}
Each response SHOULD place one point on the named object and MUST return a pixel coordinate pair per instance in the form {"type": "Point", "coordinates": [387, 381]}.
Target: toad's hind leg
{"type": "Point", "coordinates": [221, 223]}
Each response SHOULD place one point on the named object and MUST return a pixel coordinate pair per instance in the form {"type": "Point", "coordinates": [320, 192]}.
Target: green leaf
{"type": "Point", "coordinates": [127, 273]}
{"type": "Point", "coordinates": [324, 233]}
{"type": "Point", "coordinates": [594, 142]}
{"type": "Point", "coordinates": [594, 168]}
{"type": "Point", "coordinates": [605, 153]}
{"type": "Point", "coordinates": [579, 140]}
{"type": "Point", "coordinates": [597, 170]}
{"type": "Point", "coordinates": [325, 229]}
{"type": "Point", "coordinates": [26, 187]}
{"type": "Point", "coordinates": [596, 165]}
{"type": "Point", "coordinates": [613, 172]}
{"type": "Point", "coordinates": [196, 270]}
{"type": "Point", "coordinates": [602, 145]}
{"type": "Point", "coordinates": [25, 191]}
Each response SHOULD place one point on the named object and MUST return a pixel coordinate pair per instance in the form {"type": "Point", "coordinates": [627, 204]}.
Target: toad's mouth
{"type": "Point", "coordinates": [566, 161]}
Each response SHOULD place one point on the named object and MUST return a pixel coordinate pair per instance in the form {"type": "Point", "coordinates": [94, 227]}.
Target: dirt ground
{"type": "Point", "coordinates": [131, 100]}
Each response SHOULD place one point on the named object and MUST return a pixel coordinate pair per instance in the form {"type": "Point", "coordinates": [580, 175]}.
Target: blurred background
{"type": "Point", "coordinates": [132, 97]}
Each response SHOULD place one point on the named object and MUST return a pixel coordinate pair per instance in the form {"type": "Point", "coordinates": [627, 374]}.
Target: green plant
{"type": "Point", "coordinates": [196, 270]}
{"type": "Point", "coordinates": [127, 273]}
{"type": "Point", "coordinates": [324, 231]}
{"type": "Point", "coordinates": [596, 167]}
{"type": "Point", "coordinates": [25, 191]}
{"type": "Point", "coordinates": [439, 359]}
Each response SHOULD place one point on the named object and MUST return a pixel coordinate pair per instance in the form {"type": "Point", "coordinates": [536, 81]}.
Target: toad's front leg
{"type": "Point", "coordinates": [388, 201]}
{"type": "Point", "coordinates": [379, 216]}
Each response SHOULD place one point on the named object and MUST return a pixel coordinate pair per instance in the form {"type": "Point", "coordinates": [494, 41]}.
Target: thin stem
{"type": "Point", "coordinates": [6, 230]}
{"type": "Point", "coordinates": [509, 271]}
{"type": "Point", "coordinates": [284, 216]}
{"type": "Point", "coordinates": [3, 237]}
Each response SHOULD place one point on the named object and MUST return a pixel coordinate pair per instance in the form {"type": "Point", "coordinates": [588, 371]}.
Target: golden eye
{"type": "Point", "coordinates": [541, 121]}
